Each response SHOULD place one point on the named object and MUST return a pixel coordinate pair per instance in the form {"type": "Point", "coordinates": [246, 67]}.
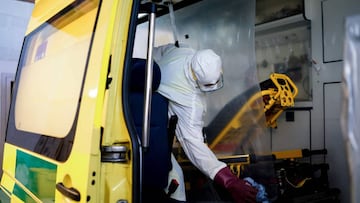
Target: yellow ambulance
{"type": "Point", "coordinates": [71, 135]}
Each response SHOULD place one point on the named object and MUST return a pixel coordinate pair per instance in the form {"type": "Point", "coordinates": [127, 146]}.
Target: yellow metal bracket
{"type": "Point", "coordinates": [278, 99]}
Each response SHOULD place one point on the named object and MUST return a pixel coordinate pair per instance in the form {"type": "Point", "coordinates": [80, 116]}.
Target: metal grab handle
{"type": "Point", "coordinates": [72, 193]}
{"type": "Point", "coordinates": [149, 75]}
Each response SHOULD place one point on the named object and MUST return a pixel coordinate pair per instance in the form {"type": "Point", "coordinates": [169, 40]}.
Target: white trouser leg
{"type": "Point", "coordinates": [177, 174]}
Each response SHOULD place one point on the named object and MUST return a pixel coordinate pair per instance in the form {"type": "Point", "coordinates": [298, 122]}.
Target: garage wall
{"type": "Point", "coordinates": [14, 16]}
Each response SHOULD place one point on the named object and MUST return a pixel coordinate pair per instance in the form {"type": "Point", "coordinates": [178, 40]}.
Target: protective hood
{"type": "Point", "coordinates": [207, 69]}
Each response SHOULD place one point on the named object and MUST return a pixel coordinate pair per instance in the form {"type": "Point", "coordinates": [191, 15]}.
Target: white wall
{"type": "Point", "coordinates": [14, 16]}
{"type": "Point", "coordinates": [327, 36]}
{"type": "Point", "coordinates": [327, 44]}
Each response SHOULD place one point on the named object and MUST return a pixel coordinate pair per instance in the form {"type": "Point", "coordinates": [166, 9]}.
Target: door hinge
{"type": "Point", "coordinates": [115, 153]}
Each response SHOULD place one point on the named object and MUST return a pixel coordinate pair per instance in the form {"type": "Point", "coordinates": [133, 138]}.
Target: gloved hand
{"type": "Point", "coordinates": [240, 190]}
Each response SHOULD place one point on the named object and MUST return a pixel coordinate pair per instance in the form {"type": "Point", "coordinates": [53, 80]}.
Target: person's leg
{"type": "Point", "coordinates": [177, 174]}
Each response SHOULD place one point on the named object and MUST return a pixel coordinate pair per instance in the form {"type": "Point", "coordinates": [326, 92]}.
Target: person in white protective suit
{"type": "Point", "coordinates": [186, 74]}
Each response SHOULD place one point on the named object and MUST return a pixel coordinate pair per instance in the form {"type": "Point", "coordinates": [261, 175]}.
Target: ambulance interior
{"type": "Point", "coordinates": [287, 115]}
{"type": "Point", "coordinates": [280, 141]}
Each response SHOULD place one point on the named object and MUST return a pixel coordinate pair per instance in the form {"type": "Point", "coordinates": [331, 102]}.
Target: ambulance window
{"type": "Point", "coordinates": [49, 81]}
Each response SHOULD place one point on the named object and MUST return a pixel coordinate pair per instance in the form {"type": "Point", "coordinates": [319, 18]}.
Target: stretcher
{"type": "Point", "coordinates": [234, 124]}
{"type": "Point", "coordinates": [286, 175]}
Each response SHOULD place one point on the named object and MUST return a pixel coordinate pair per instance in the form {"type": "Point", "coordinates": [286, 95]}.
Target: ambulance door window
{"type": "Point", "coordinates": [49, 82]}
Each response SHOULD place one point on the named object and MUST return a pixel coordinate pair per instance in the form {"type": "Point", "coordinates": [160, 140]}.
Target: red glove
{"type": "Point", "coordinates": [240, 190]}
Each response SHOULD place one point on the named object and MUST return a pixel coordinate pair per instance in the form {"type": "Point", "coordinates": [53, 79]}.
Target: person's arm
{"type": "Point", "coordinates": [189, 134]}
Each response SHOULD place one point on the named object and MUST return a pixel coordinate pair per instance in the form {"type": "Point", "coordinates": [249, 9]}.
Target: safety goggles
{"type": "Point", "coordinates": [211, 87]}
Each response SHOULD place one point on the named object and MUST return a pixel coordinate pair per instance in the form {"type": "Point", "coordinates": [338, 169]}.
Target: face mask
{"type": "Point", "coordinates": [211, 87]}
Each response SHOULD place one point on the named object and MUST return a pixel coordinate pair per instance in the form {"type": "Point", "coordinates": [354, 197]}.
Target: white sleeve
{"type": "Point", "coordinates": [190, 136]}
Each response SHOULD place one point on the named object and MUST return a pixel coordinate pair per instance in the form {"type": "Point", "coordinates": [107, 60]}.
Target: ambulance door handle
{"type": "Point", "coordinates": [71, 193]}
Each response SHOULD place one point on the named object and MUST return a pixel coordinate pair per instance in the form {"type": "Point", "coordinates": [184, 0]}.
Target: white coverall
{"type": "Point", "coordinates": [189, 104]}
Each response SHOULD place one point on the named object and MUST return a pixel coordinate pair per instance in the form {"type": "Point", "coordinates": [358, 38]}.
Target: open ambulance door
{"type": "Point", "coordinates": [67, 139]}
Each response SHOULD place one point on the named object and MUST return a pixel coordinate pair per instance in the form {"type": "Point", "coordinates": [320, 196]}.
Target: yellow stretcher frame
{"type": "Point", "coordinates": [276, 100]}
{"type": "Point", "coordinates": [237, 163]}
